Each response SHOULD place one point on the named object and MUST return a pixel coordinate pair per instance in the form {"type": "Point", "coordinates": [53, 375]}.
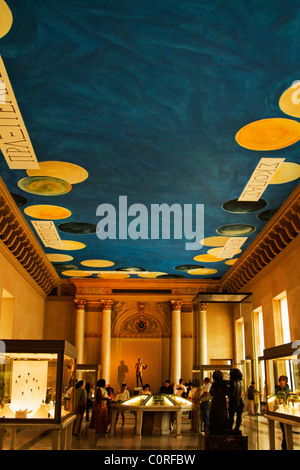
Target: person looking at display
{"type": "Point", "coordinates": [282, 392]}
{"type": "Point", "coordinates": [193, 396]}
{"type": "Point", "coordinates": [80, 406]}
{"type": "Point", "coordinates": [100, 417]}
{"type": "Point", "coordinates": [166, 388]}
{"type": "Point", "coordinates": [252, 397]}
{"type": "Point", "coordinates": [205, 398]}
{"type": "Point", "coordinates": [146, 390]}
{"type": "Point", "coordinates": [88, 400]}
{"type": "Point", "coordinates": [181, 390]}
{"type": "Point", "coordinates": [121, 396]}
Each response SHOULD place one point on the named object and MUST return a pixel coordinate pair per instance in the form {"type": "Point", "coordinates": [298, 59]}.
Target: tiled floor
{"type": "Point", "coordinates": [124, 439]}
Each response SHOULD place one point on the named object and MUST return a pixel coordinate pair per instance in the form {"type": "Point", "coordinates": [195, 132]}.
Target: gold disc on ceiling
{"type": "Point", "coordinates": [269, 134]}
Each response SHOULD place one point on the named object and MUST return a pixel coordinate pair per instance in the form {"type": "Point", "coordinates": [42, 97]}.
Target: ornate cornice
{"type": "Point", "coordinates": [156, 290]}
{"type": "Point", "coordinates": [17, 238]}
{"type": "Point", "coordinates": [282, 229]}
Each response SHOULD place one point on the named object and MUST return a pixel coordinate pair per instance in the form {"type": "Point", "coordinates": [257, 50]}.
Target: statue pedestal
{"type": "Point", "coordinates": [223, 442]}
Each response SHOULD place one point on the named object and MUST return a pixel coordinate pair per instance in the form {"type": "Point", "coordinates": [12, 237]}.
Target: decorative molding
{"type": "Point", "coordinates": [18, 238]}
{"type": "Point", "coordinates": [280, 231]}
{"type": "Point", "coordinates": [137, 319]}
{"type": "Point", "coordinates": [90, 290]}
{"type": "Point", "coordinates": [160, 290]}
{"type": "Point", "coordinates": [185, 291]}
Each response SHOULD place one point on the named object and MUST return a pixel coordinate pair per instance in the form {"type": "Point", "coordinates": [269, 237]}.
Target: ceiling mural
{"type": "Point", "coordinates": [149, 139]}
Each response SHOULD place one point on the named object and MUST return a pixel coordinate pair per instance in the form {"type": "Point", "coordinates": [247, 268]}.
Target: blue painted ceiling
{"type": "Point", "coordinates": [147, 97]}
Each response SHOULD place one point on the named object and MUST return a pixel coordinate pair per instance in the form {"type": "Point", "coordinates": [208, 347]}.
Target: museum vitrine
{"type": "Point", "coordinates": [154, 412]}
{"type": "Point", "coordinates": [282, 365]}
{"type": "Point", "coordinates": [37, 379]}
{"type": "Point", "coordinates": [89, 373]}
{"type": "Point", "coordinates": [157, 401]}
{"type": "Point", "coordinates": [208, 370]}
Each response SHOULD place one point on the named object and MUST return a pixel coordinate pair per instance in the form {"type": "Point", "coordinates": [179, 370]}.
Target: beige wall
{"type": "Point", "coordinates": [130, 350]}
{"type": "Point", "coordinates": [282, 274]}
{"type": "Point", "coordinates": [21, 314]}
{"type": "Point", "coordinates": [60, 319]}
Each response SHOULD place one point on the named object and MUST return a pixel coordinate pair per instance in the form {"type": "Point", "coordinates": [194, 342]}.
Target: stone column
{"type": "Point", "coordinates": [202, 333]}
{"type": "Point", "coordinates": [79, 329]}
{"type": "Point", "coordinates": [175, 369]}
{"type": "Point", "coordinates": [106, 339]}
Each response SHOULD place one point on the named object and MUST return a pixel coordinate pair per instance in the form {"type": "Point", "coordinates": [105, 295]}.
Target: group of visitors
{"type": "Point", "coordinates": [205, 397]}
{"type": "Point", "coordinates": [100, 417]}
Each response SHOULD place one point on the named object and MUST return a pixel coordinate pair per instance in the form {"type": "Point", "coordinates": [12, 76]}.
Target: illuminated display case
{"type": "Point", "coordinates": [157, 401]}
{"type": "Point", "coordinates": [37, 380]}
{"type": "Point", "coordinates": [153, 413]}
{"type": "Point", "coordinates": [283, 402]}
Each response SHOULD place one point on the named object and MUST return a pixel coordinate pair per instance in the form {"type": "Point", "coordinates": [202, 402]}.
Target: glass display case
{"type": "Point", "coordinates": [89, 373]}
{"type": "Point", "coordinates": [153, 413]}
{"type": "Point", "coordinates": [282, 365]}
{"type": "Point", "coordinates": [37, 380]}
{"type": "Point", "coordinates": [161, 401]}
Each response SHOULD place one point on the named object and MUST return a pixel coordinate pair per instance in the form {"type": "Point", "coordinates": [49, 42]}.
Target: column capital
{"type": "Point", "coordinates": [80, 304]}
{"type": "Point", "coordinates": [176, 305]}
{"type": "Point", "coordinates": [107, 304]}
{"type": "Point", "coordinates": [203, 306]}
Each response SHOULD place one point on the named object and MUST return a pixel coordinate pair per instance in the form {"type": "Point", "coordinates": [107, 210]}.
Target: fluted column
{"type": "Point", "coordinates": [202, 333]}
{"type": "Point", "coordinates": [79, 329]}
{"type": "Point", "coordinates": [106, 339]}
{"type": "Point", "coordinates": [175, 370]}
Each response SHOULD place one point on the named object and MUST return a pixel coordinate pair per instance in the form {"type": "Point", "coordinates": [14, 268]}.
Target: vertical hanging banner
{"type": "Point", "coordinates": [231, 247]}
{"type": "Point", "coordinates": [47, 232]}
{"type": "Point", "coordinates": [260, 178]}
{"type": "Point", "coordinates": [14, 139]}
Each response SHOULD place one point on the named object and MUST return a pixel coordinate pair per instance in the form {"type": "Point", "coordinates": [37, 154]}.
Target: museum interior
{"type": "Point", "coordinates": [149, 222]}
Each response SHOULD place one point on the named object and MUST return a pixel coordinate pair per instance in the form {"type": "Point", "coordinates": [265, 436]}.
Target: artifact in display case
{"type": "Point", "coordinates": [37, 380]}
{"type": "Point", "coordinates": [282, 365]}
